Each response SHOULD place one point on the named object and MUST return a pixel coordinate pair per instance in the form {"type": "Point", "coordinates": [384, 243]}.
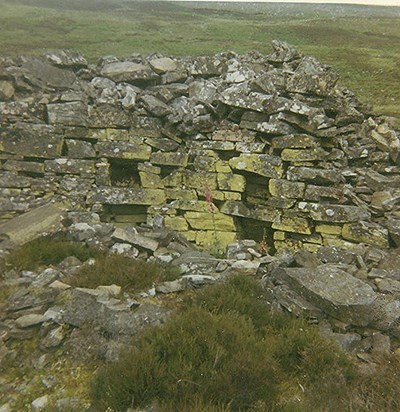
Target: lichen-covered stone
{"type": "Point", "coordinates": [135, 239]}
{"type": "Point", "coordinates": [334, 213]}
{"type": "Point", "coordinates": [128, 72]}
{"type": "Point", "coordinates": [10, 179]}
{"type": "Point", "coordinates": [68, 114]}
{"type": "Point", "coordinates": [44, 75]}
{"type": "Point", "coordinates": [265, 214]}
{"type": "Point", "coordinates": [235, 208]}
{"type": "Point", "coordinates": [286, 189]}
{"type": "Point", "coordinates": [31, 225]}
{"type": "Point", "coordinates": [126, 196]}
{"type": "Point", "coordinates": [80, 149]}
{"type": "Point", "coordinates": [328, 229]}
{"type": "Point", "coordinates": [312, 77]}
{"type": "Point", "coordinates": [366, 232]}
{"type": "Point", "coordinates": [181, 194]}
{"type": "Point", "coordinates": [150, 180]}
{"type": "Point", "coordinates": [210, 221]}
{"type": "Point", "coordinates": [6, 90]}
{"type": "Point", "coordinates": [294, 141]}
{"type": "Point", "coordinates": [215, 241]}
{"type": "Point", "coordinates": [178, 159]}
{"type": "Point", "coordinates": [206, 66]}
{"type": "Point", "coordinates": [303, 155]}
{"type": "Point", "coordinates": [261, 164]}
{"type": "Point", "coordinates": [336, 241]}
{"type": "Point", "coordinates": [205, 163]}
{"type": "Point", "coordinates": [155, 106]}
{"type": "Point", "coordinates": [223, 195]}
{"type": "Point", "coordinates": [23, 166]}
{"type": "Point", "coordinates": [215, 145]}
{"type": "Point", "coordinates": [292, 224]}
{"type": "Point", "coordinates": [283, 52]}
{"type": "Point", "coordinates": [124, 150]}
{"type": "Point", "coordinates": [32, 140]}
{"type": "Point", "coordinates": [107, 115]}
{"type": "Point", "coordinates": [230, 181]}
{"type": "Point", "coordinates": [251, 147]}
{"type": "Point", "coordinates": [163, 144]}
{"type": "Point", "coordinates": [317, 193]}
{"type": "Point", "coordinates": [178, 223]}
{"type": "Point", "coordinates": [314, 175]}
{"type": "Point", "coordinates": [201, 181]}
{"type": "Point", "coordinates": [163, 65]}
{"type": "Point", "coordinates": [109, 134]}
{"type": "Point", "coordinates": [70, 166]}
{"type": "Point", "coordinates": [336, 292]}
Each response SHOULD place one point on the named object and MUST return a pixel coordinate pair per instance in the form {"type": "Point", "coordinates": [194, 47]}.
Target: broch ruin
{"type": "Point", "coordinates": [284, 152]}
{"type": "Point", "coordinates": [155, 156]}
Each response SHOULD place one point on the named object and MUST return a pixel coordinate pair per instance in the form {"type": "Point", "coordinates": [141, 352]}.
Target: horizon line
{"type": "Point", "coordinates": [373, 3]}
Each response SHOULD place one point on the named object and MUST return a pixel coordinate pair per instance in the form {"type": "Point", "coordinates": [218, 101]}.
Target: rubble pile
{"type": "Point", "coordinates": [218, 148]}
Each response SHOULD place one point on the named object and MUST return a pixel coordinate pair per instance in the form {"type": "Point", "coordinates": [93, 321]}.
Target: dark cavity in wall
{"type": "Point", "coordinates": [124, 173]}
{"type": "Point", "coordinates": [124, 214]}
{"type": "Point", "coordinates": [261, 232]}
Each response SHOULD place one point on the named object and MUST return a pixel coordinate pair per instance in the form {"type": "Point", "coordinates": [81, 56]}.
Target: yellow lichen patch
{"type": "Point", "coordinates": [292, 224]}
{"type": "Point", "coordinates": [177, 223]}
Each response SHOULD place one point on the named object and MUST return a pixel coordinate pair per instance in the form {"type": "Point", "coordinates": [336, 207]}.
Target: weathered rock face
{"type": "Point", "coordinates": [238, 145]}
{"type": "Point", "coordinates": [336, 292]}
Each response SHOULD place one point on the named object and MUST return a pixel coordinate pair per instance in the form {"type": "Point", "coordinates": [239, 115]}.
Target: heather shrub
{"type": "Point", "coordinates": [195, 357]}
{"type": "Point", "coordinates": [225, 349]}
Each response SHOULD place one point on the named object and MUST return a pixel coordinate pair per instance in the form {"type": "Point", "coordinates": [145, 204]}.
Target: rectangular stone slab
{"type": "Point", "coordinates": [124, 150]}
{"type": "Point", "coordinates": [334, 213]}
{"type": "Point", "coordinates": [334, 291]}
{"type": "Point", "coordinates": [260, 164]}
{"type": "Point", "coordinates": [33, 224]}
{"type": "Point", "coordinates": [135, 239]}
{"type": "Point", "coordinates": [32, 141]}
{"type": "Point", "coordinates": [126, 196]}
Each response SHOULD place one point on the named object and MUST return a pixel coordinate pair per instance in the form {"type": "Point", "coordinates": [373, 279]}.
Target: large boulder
{"type": "Point", "coordinates": [334, 291]}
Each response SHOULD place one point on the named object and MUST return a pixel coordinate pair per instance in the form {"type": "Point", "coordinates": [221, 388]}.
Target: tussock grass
{"type": "Point", "coordinates": [46, 251]}
{"type": "Point", "coordinates": [130, 274]}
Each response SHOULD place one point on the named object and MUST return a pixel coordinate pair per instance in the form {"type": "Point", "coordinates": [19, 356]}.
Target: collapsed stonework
{"type": "Point", "coordinates": [218, 148]}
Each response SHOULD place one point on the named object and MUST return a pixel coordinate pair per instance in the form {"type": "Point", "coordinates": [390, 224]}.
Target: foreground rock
{"type": "Point", "coordinates": [334, 291]}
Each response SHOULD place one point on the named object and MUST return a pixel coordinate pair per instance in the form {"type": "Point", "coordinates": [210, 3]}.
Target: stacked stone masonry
{"type": "Point", "coordinates": [216, 147]}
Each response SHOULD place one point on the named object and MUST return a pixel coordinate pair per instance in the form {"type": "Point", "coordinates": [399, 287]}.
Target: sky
{"type": "Point", "coordinates": [369, 2]}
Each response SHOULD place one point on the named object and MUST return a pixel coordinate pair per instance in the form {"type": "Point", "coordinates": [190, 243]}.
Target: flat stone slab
{"type": "Point", "coordinates": [31, 225]}
{"type": "Point", "coordinates": [333, 291]}
{"type": "Point", "coordinates": [135, 239]}
{"type": "Point", "coordinates": [126, 196]}
{"type": "Point", "coordinates": [30, 320]}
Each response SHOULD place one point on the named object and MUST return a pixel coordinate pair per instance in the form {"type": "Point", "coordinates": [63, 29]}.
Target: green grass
{"type": "Point", "coordinates": [46, 251]}
{"type": "Point", "coordinates": [362, 43]}
{"type": "Point", "coordinates": [120, 270]}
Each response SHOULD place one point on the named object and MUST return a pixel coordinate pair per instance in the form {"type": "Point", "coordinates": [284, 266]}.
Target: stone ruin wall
{"type": "Point", "coordinates": [251, 146]}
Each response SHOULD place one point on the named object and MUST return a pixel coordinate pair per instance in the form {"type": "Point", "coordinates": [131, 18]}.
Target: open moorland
{"type": "Point", "coordinates": [362, 43]}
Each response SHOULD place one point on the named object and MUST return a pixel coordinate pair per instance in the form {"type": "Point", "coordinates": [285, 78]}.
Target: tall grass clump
{"type": "Point", "coordinates": [225, 349]}
{"type": "Point", "coordinates": [123, 271]}
{"type": "Point", "coordinates": [47, 251]}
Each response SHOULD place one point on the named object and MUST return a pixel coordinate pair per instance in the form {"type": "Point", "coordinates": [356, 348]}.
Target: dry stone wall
{"type": "Point", "coordinates": [267, 147]}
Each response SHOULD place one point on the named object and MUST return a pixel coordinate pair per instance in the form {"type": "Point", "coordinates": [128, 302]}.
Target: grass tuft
{"type": "Point", "coordinates": [123, 271]}
{"type": "Point", "coordinates": [47, 251]}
